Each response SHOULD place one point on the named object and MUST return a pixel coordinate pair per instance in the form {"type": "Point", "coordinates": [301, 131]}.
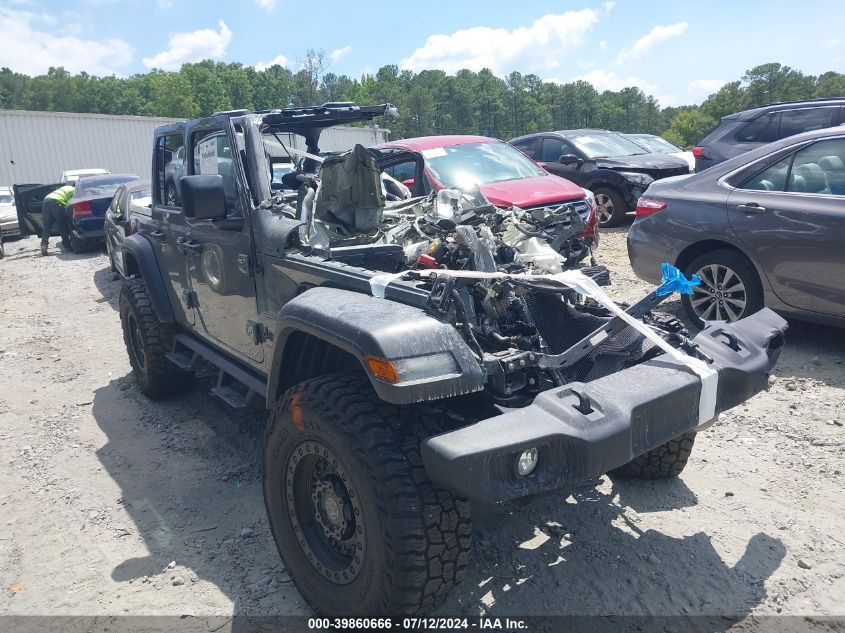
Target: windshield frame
{"type": "Point", "coordinates": [575, 139]}
{"type": "Point", "coordinates": [529, 167]}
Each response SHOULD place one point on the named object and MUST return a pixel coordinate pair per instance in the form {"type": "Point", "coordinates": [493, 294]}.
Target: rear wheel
{"type": "Point", "coordinates": [730, 288]}
{"type": "Point", "coordinates": [77, 245]}
{"type": "Point", "coordinates": [360, 527]}
{"type": "Point", "coordinates": [611, 207]}
{"type": "Point", "coordinates": [665, 461]}
{"type": "Point", "coordinates": [147, 341]}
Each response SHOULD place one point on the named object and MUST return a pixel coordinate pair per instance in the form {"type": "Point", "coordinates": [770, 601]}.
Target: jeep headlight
{"type": "Point", "coordinates": [412, 368]}
{"type": "Point", "coordinates": [590, 197]}
{"type": "Point", "coordinates": [639, 179]}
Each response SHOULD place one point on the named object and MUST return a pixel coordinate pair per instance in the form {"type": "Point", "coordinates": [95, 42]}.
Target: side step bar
{"type": "Point", "coordinates": [186, 354]}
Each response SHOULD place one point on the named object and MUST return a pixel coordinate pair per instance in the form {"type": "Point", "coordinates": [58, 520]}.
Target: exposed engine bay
{"type": "Point", "coordinates": [488, 271]}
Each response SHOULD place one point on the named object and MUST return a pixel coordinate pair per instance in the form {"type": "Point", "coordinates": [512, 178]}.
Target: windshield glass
{"type": "Point", "coordinates": [599, 145]}
{"type": "Point", "coordinates": [100, 186]}
{"type": "Point", "coordinates": [656, 144]}
{"type": "Point", "coordinates": [6, 199]}
{"type": "Point", "coordinates": [479, 163]}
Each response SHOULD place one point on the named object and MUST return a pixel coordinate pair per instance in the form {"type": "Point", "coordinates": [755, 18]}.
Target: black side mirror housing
{"type": "Point", "coordinates": [569, 159]}
{"type": "Point", "coordinates": [203, 197]}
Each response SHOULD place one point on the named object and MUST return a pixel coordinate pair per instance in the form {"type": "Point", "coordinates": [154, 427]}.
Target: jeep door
{"type": "Point", "coordinates": [165, 226]}
{"type": "Point", "coordinates": [218, 252]}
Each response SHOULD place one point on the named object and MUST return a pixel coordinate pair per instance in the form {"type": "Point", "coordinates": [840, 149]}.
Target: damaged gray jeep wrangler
{"type": "Point", "coordinates": [417, 354]}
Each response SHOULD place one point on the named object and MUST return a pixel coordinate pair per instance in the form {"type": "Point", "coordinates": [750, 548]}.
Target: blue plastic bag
{"type": "Point", "coordinates": [673, 280]}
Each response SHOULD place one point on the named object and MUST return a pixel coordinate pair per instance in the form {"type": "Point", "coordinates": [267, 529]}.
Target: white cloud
{"type": "Point", "coordinates": [279, 60]}
{"type": "Point", "coordinates": [267, 5]}
{"type": "Point", "coordinates": [649, 40]}
{"type": "Point", "coordinates": [609, 80]}
{"type": "Point", "coordinates": [603, 45]}
{"type": "Point", "coordinates": [705, 87]}
{"type": "Point", "coordinates": [31, 51]}
{"type": "Point", "coordinates": [608, 6]}
{"type": "Point", "coordinates": [164, 4]}
{"type": "Point", "coordinates": [832, 43]}
{"type": "Point", "coordinates": [531, 49]}
{"type": "Point", "coordinates": [339, 53]}
{"type": "Point", "coordinates": [191, 47]}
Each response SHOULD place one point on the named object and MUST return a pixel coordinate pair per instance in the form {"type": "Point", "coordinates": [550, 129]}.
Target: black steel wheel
{"type": "Point", "coordinates": [361, 529]}
{"type": "Point", "coordinates": [325, 511]}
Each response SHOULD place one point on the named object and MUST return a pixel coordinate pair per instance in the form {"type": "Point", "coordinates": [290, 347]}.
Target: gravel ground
{"type": "Point", "coordinates": [111, 504]}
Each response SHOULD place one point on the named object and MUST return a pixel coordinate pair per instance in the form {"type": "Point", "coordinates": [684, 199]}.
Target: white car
{"type": "Point", "coordinates": [72, 175]}
{"type": "Point", "coordinates": [8, 214]}
{"type": "Point", "coordinates": [659, 145]}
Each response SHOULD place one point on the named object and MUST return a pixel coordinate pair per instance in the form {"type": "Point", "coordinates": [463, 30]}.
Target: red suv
{"type": "Point", "coordinates": [504, 174]}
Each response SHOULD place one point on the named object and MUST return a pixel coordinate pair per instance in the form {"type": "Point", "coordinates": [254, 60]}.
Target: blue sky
{"type": "Point", "coordinates": [677, 50]}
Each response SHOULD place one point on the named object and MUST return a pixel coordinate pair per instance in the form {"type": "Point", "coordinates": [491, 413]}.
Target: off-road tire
{"type": "Point", "coordinates": [620, 209]}
{"type": "Point", "coordinates": [157, 377]}
{"type": "Point", "coordinates": [665, 461]}
{"type": "Point", "coordinates": [417, 536]}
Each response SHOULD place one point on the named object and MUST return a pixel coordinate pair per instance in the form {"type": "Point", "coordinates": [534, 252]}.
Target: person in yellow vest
{"type": "Point", "coordinates": [54, 211]}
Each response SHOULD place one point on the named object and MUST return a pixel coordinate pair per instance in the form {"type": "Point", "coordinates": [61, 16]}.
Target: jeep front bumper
{"type": "Point", "coordinates": [583, 430]}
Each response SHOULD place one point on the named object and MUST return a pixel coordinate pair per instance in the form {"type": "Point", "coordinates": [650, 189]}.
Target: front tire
{"type": "Point", "coordinates": [147, 341]}
{"type": "Point", "coordinates": [361, 529]}
{"type": "Point", "coordinates": [611, 207]}
{"type": "Point", "coordinates": [730, 288]}
{"type": "Point", "coordinates": [666, 461]}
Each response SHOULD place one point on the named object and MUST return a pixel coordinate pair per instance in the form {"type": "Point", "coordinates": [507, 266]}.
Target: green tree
{"type": "Point", "coordinates": [689, 127]}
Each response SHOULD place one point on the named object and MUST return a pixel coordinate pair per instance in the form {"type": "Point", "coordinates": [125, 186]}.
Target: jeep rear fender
{"type": "Point", "coordinates": [139, 259]}
{"type": "Point", "coordinates": [365, 326]}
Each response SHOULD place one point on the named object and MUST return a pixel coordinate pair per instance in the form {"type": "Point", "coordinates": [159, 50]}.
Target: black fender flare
{"type": "Point", "coordinates": [364, 326]}
{"type": "Point", "coordinates": [139, 259]}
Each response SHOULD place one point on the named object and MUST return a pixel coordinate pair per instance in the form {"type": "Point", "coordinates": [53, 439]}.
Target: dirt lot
{"type": "Point", "coordinates": [111, 504]}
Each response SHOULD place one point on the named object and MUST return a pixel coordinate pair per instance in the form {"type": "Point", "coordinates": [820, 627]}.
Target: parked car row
{"type": "Point", "coordinates": [86, 211]}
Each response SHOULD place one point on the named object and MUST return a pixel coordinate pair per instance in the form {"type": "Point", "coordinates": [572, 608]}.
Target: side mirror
{"type": "Point", "coordinates": [569, 159]}
{"type": "Point", "coordinates": [203, 197]}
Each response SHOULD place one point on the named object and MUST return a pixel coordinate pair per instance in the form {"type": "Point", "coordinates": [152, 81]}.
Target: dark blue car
{"type": "Point", "coordinates": [87, 209]}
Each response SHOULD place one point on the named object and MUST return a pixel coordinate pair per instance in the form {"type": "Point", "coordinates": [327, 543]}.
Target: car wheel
{"type": "Point", "coordinates": [360, 527]}
{"type": "Point", "coordinates": [148, 341]}
{"type": "Point", "coordinates": [730, 288]}
{"type": "Point", "coordinates": [77, 245]}
{"type": "Point", "coordinates": [611, 207]}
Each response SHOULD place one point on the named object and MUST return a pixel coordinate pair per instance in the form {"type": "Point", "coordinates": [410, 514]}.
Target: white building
{"type": "Point", "coordinates": [36, 147]}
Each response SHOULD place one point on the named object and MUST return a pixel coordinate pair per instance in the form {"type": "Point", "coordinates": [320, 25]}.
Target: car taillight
{"type": "Point", "coordinates": [698, 152]}
{"type": "Point", "coordinates": [647, 206]}
{"type": "Point", "coordinates": [82, 209]}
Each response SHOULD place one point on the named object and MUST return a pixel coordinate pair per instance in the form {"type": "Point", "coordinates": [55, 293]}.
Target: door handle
{"type": "Point", "coordinates": [159, 235]}
{"type": "Point", "coordinates": [751, 207]}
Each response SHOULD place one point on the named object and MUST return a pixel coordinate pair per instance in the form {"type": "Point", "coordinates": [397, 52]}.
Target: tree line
{"type": "Point", "coordinates": [429, 102]}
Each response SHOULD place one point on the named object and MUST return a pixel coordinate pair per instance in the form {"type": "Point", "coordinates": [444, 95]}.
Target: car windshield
{"type": "Point", "coordinates": [6, 199]}
{"type": "Point", "coordinates": [599, 145]}
{"type": "Point", "coordinates": [656, 144]}
{"type": "Point", "coordinates": [88, 188]}
{"type": "Point", "coordinates": [479, 163]}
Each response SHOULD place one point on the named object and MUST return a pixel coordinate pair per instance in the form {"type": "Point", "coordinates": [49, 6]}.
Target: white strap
{"type": "Point", "coordinates": [579, 282]}
{"type": "Point", "coordinates": [378, 283]}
